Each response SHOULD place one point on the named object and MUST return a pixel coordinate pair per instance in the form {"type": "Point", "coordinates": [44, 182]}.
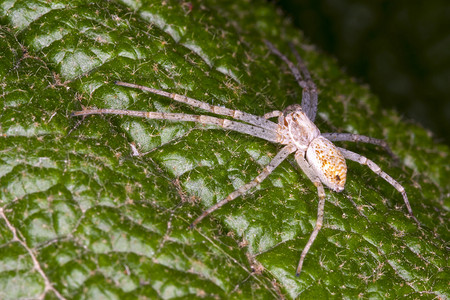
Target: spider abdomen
{"type": "Point", "coordinates": [328, 163]}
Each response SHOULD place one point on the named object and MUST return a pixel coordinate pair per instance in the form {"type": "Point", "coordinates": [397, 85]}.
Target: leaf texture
{"type": "Point", "coordinates": [99, 207]}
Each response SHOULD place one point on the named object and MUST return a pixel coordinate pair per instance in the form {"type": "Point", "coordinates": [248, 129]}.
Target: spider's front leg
{"type": "Point", "coordinates": [309, 94]}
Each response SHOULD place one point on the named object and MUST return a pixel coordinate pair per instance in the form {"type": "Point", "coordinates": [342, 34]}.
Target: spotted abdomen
{"type": "Point", "coordinates": [328, 163]}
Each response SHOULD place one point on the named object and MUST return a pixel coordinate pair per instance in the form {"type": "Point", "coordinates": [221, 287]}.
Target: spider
{"type": "Point", "coordinates": [321, 161]}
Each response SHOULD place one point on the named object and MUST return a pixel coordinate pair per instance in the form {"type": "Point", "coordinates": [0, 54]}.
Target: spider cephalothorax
{"type": "Point", "coordinates": [296, 128]}
{"type": "Point", "coordinates": [321, 161]}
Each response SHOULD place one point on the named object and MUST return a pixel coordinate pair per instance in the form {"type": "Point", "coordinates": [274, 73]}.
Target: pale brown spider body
{"type": "Point", "coordinates": [321, 161]}
{"type": "Point", "coordinates": [324, 157]}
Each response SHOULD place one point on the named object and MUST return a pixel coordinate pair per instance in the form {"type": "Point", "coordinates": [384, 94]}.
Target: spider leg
{"type": "Point", "coordinates": [218, 110]}
{"type": "Point", "coordinates": [273, 114]}
{"type": "Point", "coordinates": [305, 166]}
{"type": "Point", "coordinates": [287, 110]}
{"type": "Point", "coordinates": [262, 133]}
{"type": "Point", "coordinates": [310, 107]}
{"type": "Point", "coordinates": [280, 157]}
{"type": "Point", "coordinates": [309, 94]}
{"type": "Point", "coordinates": [291, 65]}
{"type": "Point", "coordinates": [377, 170]}
{"type": "Point", "coordinates": [349, 137]}
{"type": "Point", "coordinates": [292, 108]}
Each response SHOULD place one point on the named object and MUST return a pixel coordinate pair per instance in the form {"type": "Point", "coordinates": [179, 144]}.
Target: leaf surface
{"type": "Point", "coordinates": [99, 207]}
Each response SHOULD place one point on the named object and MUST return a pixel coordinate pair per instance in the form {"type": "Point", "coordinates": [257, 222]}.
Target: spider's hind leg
{"type": "Point", "coordinates": [304, 165]}
{"type": "Point", "coordinates": [377, 170]}
{"type": "Point", "coordinates": [350, 137]}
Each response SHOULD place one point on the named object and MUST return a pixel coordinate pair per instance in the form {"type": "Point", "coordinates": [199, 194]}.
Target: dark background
{"type": "Point", "coordinates": [400, 48]}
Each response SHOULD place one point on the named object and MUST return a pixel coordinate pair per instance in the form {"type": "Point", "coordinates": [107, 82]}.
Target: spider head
{"type": "Point", "coordinates": [328, 163]}
{"type": "Point", "coordinates": [296, 128]}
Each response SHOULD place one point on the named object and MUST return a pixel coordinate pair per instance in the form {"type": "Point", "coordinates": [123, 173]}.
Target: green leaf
{"type": "Point", "coordinates": [100, 207]}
